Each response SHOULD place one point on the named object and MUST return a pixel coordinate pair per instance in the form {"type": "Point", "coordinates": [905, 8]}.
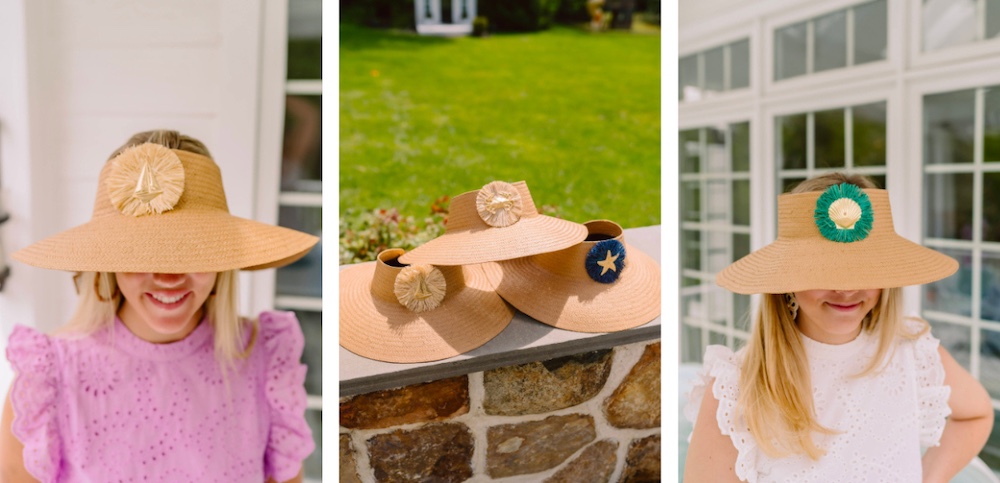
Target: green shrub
{"type": "Point", "coordinates": [519, 15]}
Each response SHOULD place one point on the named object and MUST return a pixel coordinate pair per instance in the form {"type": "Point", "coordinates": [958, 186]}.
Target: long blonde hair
{"type": "Point", "coordinates": [775, 386]}
{"type": "Point", "coordinates": [100, 298]}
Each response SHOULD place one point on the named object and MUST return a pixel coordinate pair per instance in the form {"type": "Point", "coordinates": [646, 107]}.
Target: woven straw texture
{"type": "Point", "coordinates": [469, 240]}
{"type": "Point", "coordinates": [375, 325]}
{"type": "Point", "coordinates": [197, 235]}
{"type": "Point", "coordinates": [555, 288]}
{"type": "Point", "coordinates": [802, 259]}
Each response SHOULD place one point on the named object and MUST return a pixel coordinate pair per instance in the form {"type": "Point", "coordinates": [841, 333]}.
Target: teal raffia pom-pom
{"type": "Point", "coordinates": [605, 261]}
{"type": "Point", "coordinates": [844, 213]}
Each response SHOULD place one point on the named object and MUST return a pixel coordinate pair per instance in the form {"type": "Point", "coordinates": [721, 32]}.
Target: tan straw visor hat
{"type": "Point", "coordinates": [164, 211]}
{"type": "Point", "coordinates": [417, 313]}
{"type": "Point", "coordinates": [497, 222]}
{"type": "Point", "coordinates": [838, 239]}
{"type": "Point", "coordinates": [599, 285]}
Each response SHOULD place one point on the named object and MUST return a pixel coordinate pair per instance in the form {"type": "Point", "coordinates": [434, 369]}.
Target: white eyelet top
{"type": "Point", "coordinates": [884, 420]}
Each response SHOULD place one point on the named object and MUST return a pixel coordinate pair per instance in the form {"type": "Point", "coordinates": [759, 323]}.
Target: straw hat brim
{"type": "Point", "coordinates": [787, 266]}
{"type": "Point", "coordinates": [529, 236]}
{"type": "Point", "coordinates": [581, 304]}
{"type": "Point", "coordinates": [181, 241]}
{"type": "Point", "coordinates": [388, 331]}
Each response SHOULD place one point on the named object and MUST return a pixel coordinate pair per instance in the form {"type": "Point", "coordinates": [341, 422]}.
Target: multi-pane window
{"type": "Point", "coordinates": [720, 69]}
{"type": "Point", "coordinates": [961, 154]}
{"type": "Point", "coordinates": [851, 139]}
{"type": "Point", "coordinates": [715, 231]}
{"type": "Point", "coordinates": [843, 38]}
{"type": "Point", "coordinates": [298, 287]}
{"type": "Point", "coordinates": [947, 23]}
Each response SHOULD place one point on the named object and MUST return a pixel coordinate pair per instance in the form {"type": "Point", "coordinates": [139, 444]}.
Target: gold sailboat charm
{"type": "Point", "coordinates": [146, 188]}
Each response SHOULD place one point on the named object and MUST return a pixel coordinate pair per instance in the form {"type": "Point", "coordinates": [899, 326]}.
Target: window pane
{"type": "Point", "coordinates": [303, 277]}
{"type": "Point", "coordinates": [991, 125]}
{"type": "Point", "coordinates": [302, 153]}
{"type": "Point", "coordinates": [718, 304]}
{"type": "Point", "coordinates": [948, 207]}
{"type": "Point", "coordinates": [829, 129]}
{"type": "Point", "coordinates": [690, 155]}
{"type": "Point", "coordinates": [790, 51]}
{"type": "Point", "coordinates": [991, 208]}
{"type": "Point", "coordinates": [687, 83]}
{"type": "Point", "coordinates": [305, 39]}
{"type": "Point", "coordinates": [716, 338]}
{"type": "Point", "coordinates": [313, 465]}
{"type": "Point", "coordinates": [715, 70]}
{"type": "Point", "coordinates": [879, 180]}
{"type": "Point", "coordinates": [691, 249]}
{"type": "Point", "coordinates": [741, 312]}
{"type": "Point", "coordinates": [741, 245]}
{"type": "Point", "coordinates": [989, 362]}
{"type": "Point", "coordinates": [992, 18]}
{"type": "Point", "coordinates": [991, 289]}
{"type": "Point", "coordinates": [792, 141]}
{"type": "Point", "coordinates": [312, 354]}
{"type": "Point", "coordinates": [948, 23]}
{"type": "Point", "coordinates": [741, 202]}
{"type": "Point", "coordinates": [789, 183]}
{"type": "Point", "coordinates": [830, 45]}
{"type": "Point", "coordinates": [717, 200]}
{"type": "Point", "coordinates": [739, 136]}
{"type": "Point", "coordinates": [716, 158]}
{"type": "Point", "coordinates": [949, 127]}
{"type": "Point", "coordinates": [870, 26]}
{"type": "Point", "coordinates": [955, 338]}
{"type": "Point", "coordinates": [719, 246]}
{"type": "Point", "coordinates": [691, 346]}
{"type": "Point", "coordinates": [739, 64]}
{"type": "Point", "coordinates": [869, 134]}
{"type": "Point", "coordinates": [953, 294]}
{"type": "Point", "coordinates": [691, 201]}
{"type": "Point", "coordinates": [991, 453]}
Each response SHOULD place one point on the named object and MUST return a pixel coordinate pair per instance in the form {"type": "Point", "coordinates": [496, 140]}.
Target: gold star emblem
{"type": "Point", "coordinates": [608, 263]}
{"type": "Point", "coordinates": [147, 189]}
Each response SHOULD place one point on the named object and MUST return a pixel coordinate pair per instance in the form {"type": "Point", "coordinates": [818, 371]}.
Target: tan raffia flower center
{"type": "Point", "coordinates": [499, 204]}
{"type": "Point", "coordinates": [420, 287]}
{"type": "Point", "coordinates": [845, 212]}
{"type": "Point", "coordinates": [145, 179]}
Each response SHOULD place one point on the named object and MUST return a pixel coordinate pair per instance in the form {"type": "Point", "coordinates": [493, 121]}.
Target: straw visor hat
{"type": "Point", "coordinates": [497, 222]}
{"type": "Point", "coordinates": [599, 285]}
{"type": "Point", "coordinates": [839, 239]}
{"type": "Point", "coordinates": [163, 210]}
{"type": "Point", "coordinates": [417, 313]}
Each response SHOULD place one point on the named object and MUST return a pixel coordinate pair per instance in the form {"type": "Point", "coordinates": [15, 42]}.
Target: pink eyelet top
{"type": "Point", "coordinates": [112, 407]}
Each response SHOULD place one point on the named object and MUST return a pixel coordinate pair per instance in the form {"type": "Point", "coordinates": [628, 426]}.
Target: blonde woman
{"type": "Point", "coordinates": [834, 383]}
{"type": "Point", "coordinates": [156, 378]}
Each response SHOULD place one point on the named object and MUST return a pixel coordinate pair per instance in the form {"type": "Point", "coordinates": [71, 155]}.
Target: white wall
{"type": "Point", "coordinates": [79, 78]}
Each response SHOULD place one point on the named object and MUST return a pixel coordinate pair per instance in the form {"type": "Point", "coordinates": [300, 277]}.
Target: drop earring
{"type": "Point", "coordinates": [792, 304]}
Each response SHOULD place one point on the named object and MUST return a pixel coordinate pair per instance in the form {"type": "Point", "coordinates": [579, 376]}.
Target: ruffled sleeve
{"type": "Point", "coordinates": [290, 439]}
{"type": "Point", "coordinates": [722, 365]}
{"type": "Point", "coordinates": [33, 398]}
{"type": "Point", "coordinates": [932, 394]}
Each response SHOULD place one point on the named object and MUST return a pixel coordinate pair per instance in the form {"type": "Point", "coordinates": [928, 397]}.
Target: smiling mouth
{"type": "Point", "coordinates": [168, 299]}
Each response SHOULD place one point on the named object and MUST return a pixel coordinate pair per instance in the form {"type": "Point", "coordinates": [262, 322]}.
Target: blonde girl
{"type": "Point", "coordinates": [834, 383]}
{"type": "Point", "coordinates": [156, 378]}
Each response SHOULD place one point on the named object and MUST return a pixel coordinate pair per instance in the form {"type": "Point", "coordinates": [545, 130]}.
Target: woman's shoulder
{"type": "Point", "coordinates": [279, 332]}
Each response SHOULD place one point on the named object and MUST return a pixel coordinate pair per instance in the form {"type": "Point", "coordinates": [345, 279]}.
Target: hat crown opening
{"type": "Point", "coordinates": [796, 215]}
{"type": "Point", "coordinates": [388, 267]}
{"type": "Point", "coordinates": [463, 214]}
{"type": "Point", "coordinates": [203, 189]}
{"type": "Point", "coordinates": [570, 262]}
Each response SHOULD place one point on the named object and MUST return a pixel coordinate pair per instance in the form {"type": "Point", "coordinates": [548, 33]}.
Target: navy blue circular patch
{"type": "Point", "coordinates": [605, 261]}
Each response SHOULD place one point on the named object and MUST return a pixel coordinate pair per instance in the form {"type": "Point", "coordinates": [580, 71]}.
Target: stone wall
{"type": "Point", "coordinates": [591, 417]}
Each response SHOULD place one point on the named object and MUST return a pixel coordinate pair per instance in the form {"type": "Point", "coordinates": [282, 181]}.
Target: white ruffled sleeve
{"type": "Point", "coordinates": [722, 365]}
{"type": "Point", "coordinates": [932, 394]}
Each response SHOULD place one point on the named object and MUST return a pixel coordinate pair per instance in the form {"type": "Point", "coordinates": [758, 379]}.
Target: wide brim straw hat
{"type": "Point", "coordinates": [497, 222]}
{"type": "Point", "coordinates": [417, 313]}
{"type": "Point", "coordinates": [838, 239]}
{"type": "Point", "coordinates": [164, 211]}
{"type": "Point", "coordinates": [602, 284]}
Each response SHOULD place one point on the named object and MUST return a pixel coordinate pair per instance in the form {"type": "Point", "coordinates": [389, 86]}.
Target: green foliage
{"type": "Point", "coordinates": [574, 114]}
{"type": "Point", "coordinates": [519, 15]}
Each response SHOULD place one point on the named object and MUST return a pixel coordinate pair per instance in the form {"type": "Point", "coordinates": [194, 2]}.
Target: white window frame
{"type": "Point", "coordinates": [980, 48]}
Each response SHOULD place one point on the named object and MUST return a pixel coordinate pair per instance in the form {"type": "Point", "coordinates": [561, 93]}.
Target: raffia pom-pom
{"type": "Point", "coordinates": [145, 179]}
{"type": "Point", "coordinates": [844, 213]}
{"type": "Point", "coordinates": [499, 204]}
{"type": "Point", "coordinates": [420, 287]}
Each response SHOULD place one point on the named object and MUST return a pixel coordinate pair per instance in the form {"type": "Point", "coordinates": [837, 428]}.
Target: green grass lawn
{"type": "Point", "coordinates": [573, 113]}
